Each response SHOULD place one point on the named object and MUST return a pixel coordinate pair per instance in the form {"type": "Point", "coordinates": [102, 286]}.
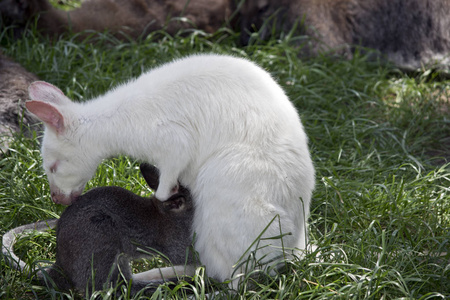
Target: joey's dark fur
{"type": "Point", "coordinates": [14, 82]}
{"type": "Point", "coordinates": [105, 227]}
{"type": "Point", "coordinates": [132, 17]}
{"type": "Point", "coordinates": [409, 33]}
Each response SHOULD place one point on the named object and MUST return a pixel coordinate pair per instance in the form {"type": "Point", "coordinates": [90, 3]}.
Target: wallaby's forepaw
{"type": "Point", "coordinates": [164, 194]}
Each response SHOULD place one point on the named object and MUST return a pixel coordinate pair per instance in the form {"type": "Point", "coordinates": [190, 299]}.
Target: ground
{"type": "Point", "coordinates": [379, 139]}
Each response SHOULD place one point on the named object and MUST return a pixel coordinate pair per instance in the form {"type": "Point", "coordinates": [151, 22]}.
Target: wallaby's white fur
{"type": "Point", "coordinates": [220, 125]}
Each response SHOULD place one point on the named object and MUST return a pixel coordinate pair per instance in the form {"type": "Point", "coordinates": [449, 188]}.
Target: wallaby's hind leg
{"type": "Point", "coordinates": [165, 273]}
{"type": "Point", "coordinates": [151, 279]}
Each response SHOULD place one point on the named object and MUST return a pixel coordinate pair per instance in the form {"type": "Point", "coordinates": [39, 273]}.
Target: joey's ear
{"type": "Point", "coordinates": [151, 175]}
{"type": "Point", "coordinates": [47, 113]}
{"type": "Point", "coordinates": [43, 91]}
{"type": "Point", "coordinates": [176, 203]}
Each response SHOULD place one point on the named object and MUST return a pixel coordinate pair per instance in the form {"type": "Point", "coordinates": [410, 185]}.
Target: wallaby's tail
{"type": "Point", "coordinates": [9, 239]}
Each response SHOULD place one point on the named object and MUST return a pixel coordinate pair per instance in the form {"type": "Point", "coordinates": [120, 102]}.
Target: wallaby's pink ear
{"type": "Point", "coordinates": [43, 91]}
{"type": "Point", "coordinates": [47, 113]}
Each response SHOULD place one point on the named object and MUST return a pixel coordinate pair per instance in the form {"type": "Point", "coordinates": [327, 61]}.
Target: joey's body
{"type": "Point", "coordinates": [219, 125]}
{"type": "Point", "coordinates": [108, 226]}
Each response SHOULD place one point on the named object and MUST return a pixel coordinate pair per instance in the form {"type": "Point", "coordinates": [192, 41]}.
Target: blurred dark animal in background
{"type": "Point", "coordinates": [134, 18]}
{"type": "Point", "coordinates": [409, 33]}
{"type": "Point", "coordinates": [14, 82]}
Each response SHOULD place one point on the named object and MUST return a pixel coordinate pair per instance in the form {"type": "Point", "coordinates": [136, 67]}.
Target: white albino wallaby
{"type": "Point", "coordinates": [219, 125]}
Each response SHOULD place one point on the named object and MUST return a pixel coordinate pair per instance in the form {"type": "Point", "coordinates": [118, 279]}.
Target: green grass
{"type": "Point", "coordinates": [380, 141]}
